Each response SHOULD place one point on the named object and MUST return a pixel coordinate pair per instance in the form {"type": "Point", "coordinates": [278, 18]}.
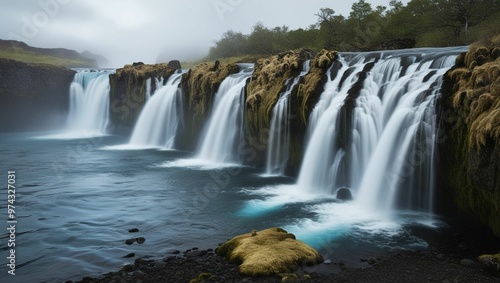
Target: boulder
{"type": "Point", "coordinates": [175, 64]}
{"type": "Point", "coordinates": [268, 252]}
{"type": "Point", "coordinates": [344, 194]}
{"type": "Point", "coordinates": [490, 263]}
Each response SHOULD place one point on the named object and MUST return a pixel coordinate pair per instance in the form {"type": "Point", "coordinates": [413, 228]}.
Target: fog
{"type": "Point", "coordinates": [126, 31]}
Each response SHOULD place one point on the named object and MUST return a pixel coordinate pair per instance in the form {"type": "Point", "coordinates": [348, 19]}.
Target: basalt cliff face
{"type": "Point", "coordinates": [269, 80]}
{"type": "Point", "coordinates": [128, 91]}
{"type": "Point", "coordinates": [469, 145]}
{"type": "Point", "coordinates": [199, 86]}
{"type": "Point", "coordinates": [33, 96]}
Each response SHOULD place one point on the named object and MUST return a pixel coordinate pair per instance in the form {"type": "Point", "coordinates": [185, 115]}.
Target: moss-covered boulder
{"type": "Point", "coordinates": [490, 263]}
{"type": "Point", "coordinates": [33, 96]}
{"type": "Point", "coordinates": [469, 146]}
{"type": "Point", "coordinates": [128, 90]}
{"type": "Point", "coordinates": [199, 86]}
{"type": "Point", "coordinates": [268, 252]}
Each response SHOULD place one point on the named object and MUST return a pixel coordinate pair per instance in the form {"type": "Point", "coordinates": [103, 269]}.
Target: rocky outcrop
{"type": "Point", "coordinates": [128, 91]}
{"type": "Point", "coordinates": [490, 263]}
{"type": "Point", "coordinates": [268, 252]}
{"type": "Point", "coordinates": [268, 82]}
{"type": "Point", "coordinates": [469, 146]}
{"type": "Point", "coordinates": [199, 86]}
{"type": "Point", "coordinates": [33, 96]}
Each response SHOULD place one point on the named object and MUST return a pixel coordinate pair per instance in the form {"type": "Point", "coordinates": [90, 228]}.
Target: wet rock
{"type": "Point", "coordinates": [133, 230]}
{"type": "Point", "coordinates": [129, 241]}
{"type": "Point", "coordinates": [129, 255]}
{"type": "Point", "coordinates": [440, 256]}
{"type": "Point", "coordinates": [372, 260]}
{"type": "Point", "coordinates": [344, 194]}
{"type": "Point", "coordinates": [327, 261]}
{"type": "Point", "coordinates": [140, 240]}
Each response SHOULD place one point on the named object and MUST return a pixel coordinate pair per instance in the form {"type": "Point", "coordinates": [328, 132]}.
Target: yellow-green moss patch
{"type": "Point", "coordinates": [269, 252]}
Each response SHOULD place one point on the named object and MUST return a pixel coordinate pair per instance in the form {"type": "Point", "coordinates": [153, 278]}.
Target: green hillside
{"type": "Point", "coordinates": [10, 49]}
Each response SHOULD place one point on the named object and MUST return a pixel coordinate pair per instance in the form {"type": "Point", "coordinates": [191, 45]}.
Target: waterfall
{"type": "Point", "coordinates": [157, 123]}
{"type": "Point", "coordinates": [224, 129]}
{"type": "Point", "coordinates": [374, 130]}
{"type": "Point", "coordinates": [89, 102]}
{"type": "Point", "coordinates": [158, 83]}
{"type": "Point", "coordinates": [279, 140]}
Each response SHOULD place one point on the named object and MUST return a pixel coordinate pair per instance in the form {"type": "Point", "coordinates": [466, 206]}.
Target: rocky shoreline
{"type": "Point", "coordinates": [452, 256]}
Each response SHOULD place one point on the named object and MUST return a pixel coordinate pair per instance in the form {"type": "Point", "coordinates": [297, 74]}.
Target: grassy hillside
{"type": "Point", "coordinates": [15, 50]}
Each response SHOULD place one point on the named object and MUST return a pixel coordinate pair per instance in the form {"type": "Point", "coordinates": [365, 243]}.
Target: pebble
{"type": "Point", "coordinates": [372, 261]}
{"type": "Point", "coordinates": [129, 241]}
{"type": "Point", "coordinates": [327, 261]}
{"type": "Point", "coordinates": [133, 230]}
{"type": "Point", "coordinates": [140, 240]}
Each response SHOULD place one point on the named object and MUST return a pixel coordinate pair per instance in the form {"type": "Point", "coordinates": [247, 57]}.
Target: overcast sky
{"type": "Point", "coordinates": [125, 31]}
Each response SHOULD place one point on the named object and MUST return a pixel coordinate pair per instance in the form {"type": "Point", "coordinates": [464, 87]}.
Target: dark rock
{"type": "Point", "coordinates": [133, 230]}
{"type": "Point", "coordinates": [129, 241]}
{"type": "Point", "coordinates": [175, 64]}
{"type": "Point", "coordinates": [33, 96]}
{"type": "Point", "coordinates": [372, 261]}
{"type": "Point", "coordinates": [344, 194]}
{"type": "Point", "coordinates": [129, 255]}
{"type": "Point", "coordinates": [137, 64]}
{"type": "Point", "coordinates": [140, 240]}
{"type": "Point", "coordinates": [193, 254]}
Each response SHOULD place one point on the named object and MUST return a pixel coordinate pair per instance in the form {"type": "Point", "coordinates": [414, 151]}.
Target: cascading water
{"type": "Point", "coordinates": [279, 140]}
{"type": "Point", "coordinates": [89, 103]}
{"type": "Point", "coordinates": [224, 130]}
{"type": "Point", "coordinates": [157, 124]}
{"type": "Point", "coordinates": [373, 129]}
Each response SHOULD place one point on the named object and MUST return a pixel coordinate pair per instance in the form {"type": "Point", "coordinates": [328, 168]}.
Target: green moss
{"type": "Point", "coordinates": [269, 252]}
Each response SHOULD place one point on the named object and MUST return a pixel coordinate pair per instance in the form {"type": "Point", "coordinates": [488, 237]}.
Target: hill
{"type": "Point", "coordinates": [20, 51]}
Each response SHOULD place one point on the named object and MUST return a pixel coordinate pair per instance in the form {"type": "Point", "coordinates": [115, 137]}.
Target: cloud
{"type": "Point", "coordinates": [127, 30]}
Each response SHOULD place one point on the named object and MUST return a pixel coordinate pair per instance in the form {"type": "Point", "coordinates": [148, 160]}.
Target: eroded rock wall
{"type": "Point", "coordinates": [469, 147]}
{"type": "Point", "coordinates": [199, 86]}
{"type": "Point", "coordinates": [33, 96]}
{"type": "Point", "coordinates": [268, 82]}
{"type": "Point", "coordinates": [128, 91]}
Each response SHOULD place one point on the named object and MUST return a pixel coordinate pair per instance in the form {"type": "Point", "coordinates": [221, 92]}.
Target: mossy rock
{"type": "Point", "coordinates": [470, 151]}
{"type": "Point", "coordinates": [490, 263]}
{"type": "Point", "coordinates": [269, 252]}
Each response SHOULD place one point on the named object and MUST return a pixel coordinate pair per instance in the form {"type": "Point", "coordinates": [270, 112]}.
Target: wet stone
{"type": "Point", "coordinates": [129, 255]}
{"type": "Point", "coordinates": [129, 241]}
{"type": "Point", "coordinates": [140, 240]}
{"type": "Point", "coordinates": [133, 230]}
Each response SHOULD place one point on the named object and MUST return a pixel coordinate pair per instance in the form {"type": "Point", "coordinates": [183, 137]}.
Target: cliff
{"type": "Point", "coordinates": [33, 96]}
{"type": "Point", "coordinates": [268, 82]}
{"type": "Point", "coordinates": [199, 86]}
{"type": "Point", "coordinates": [469, 145]}
{"type": "Point", "coordinates": [128, 91]}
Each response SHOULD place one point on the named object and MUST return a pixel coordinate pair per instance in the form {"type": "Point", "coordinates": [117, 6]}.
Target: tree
{"type": "Point", "coordinates": [360, 10]}
{"type": "Point", "coordinates": [231, 44]}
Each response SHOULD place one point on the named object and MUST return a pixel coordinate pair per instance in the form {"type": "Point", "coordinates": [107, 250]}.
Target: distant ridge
{"type": "Point", "coordinates": [20, 51]}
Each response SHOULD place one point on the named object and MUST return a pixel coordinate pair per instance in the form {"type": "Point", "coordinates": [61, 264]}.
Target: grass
{"type": "Point", "coordinates": [19, 54]}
